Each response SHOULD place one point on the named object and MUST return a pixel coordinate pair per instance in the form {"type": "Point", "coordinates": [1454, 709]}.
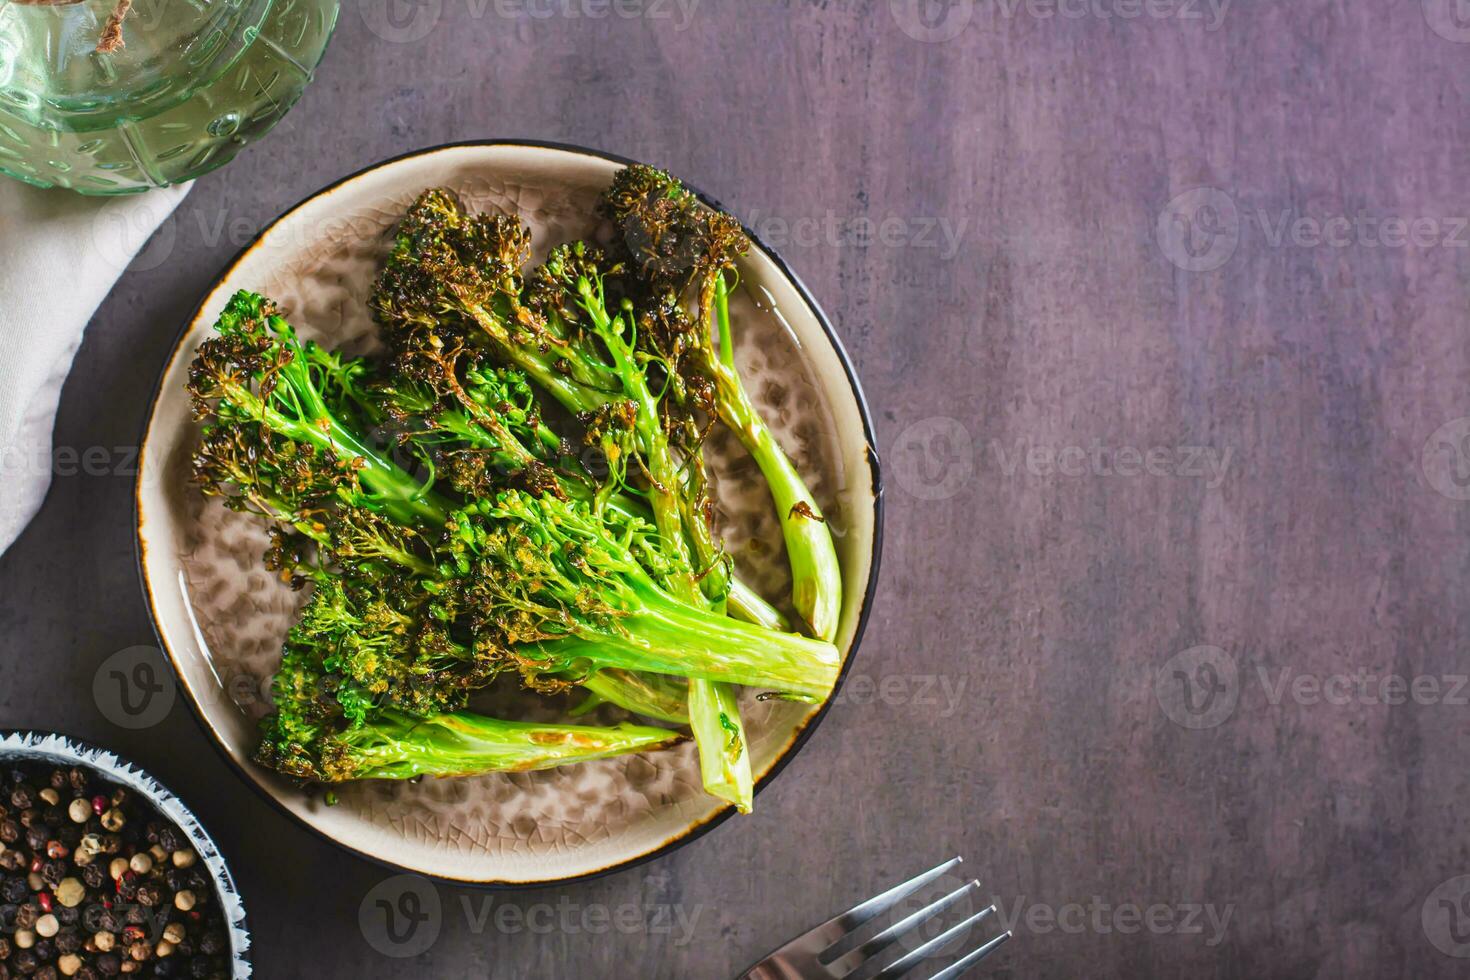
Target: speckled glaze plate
{"type": "Point", "coordinates": [221, 617]}
{"type": "Point", "coordinates": [58, 750]}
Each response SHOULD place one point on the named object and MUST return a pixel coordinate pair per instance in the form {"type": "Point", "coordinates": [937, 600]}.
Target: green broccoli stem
{"type": "Point", "coordinates": [650, 695]}
{"type": "Point", "coordinates": [719, 734]}
{"type": "Point", "coordinates": [403, 496]}
{"type": "Point", "coordinates": [714, 709]}
{"type": "Point", "coordinates": [747, 604]}
{"type": "Point", "coordinates": [816, 588]}
{"type": "Point", "coordinates": [665, 636]}
{"type": "Point", "coordinates": [395, 745]}
{"type": "Point", "coordinates": [540, 366]}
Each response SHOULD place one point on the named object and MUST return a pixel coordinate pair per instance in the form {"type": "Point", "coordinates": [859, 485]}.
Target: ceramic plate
{"type": "Point", "coordinates": [58, 750]}
{"type": "Point", "coordinates": [221, 617]}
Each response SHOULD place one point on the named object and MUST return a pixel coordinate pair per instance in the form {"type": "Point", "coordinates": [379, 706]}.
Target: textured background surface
{"type": "Point", "coordinates": [1304, 393]}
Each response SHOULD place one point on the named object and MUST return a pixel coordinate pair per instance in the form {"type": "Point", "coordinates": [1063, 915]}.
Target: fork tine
{"type": "Point", "coordinates": [953, 971]}
{"type": "Point", "coordinates": [850, 961]}
{"type": "Point", "coordinates": [838, 926]}
{"type": "Point", "coordinates": [907, 962]}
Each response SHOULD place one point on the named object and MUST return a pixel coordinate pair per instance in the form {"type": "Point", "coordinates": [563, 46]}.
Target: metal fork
{"type": "Point", "coordinates": [801, 959]}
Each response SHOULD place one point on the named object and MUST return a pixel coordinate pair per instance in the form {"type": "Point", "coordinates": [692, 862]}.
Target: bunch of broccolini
{"type": "Point", "coordinates": [453, 532]}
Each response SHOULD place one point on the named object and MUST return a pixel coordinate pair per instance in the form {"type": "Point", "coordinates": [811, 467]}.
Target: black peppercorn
{"type": "Point", "coordinates": [23, 797]}
{"type": "Point", "coordinates": [14, 890]}
{"type": "Point", "coordinates": [85, 972]}
{"type": "Point", "coordinates": [25, 962]}
{"type": "Point", "coordinates": [66, 916]}
{"type": "Point", "coordinates": [109, 964]}
{"type": "Point", "coordinates": [149, 894]}
{"type": "Point", "coordinates": [26, 916]}
{"type": "Point", "coordinates": [37, 834]}
{"type": "Point", "coordinates": [53, 871]}
{"type": "Point", "coordinates": [47, 972]}
{"type": "Point", "coordinates": [78, 781]}
{"type": "Point", "coordinates": [44, 950]}
{"type": "Point", "coordinates": [94, 875]}
{"type": "Point", "coordinates": [170, 839]}
{"type": "Point", "coordinates": [4, 948]}
{"type": "Point", "coordinates": [135, 915]}
{"type": "Point", "coordinates": [211, 943]}
{"type": "Point", "coordinates": [9, 831]}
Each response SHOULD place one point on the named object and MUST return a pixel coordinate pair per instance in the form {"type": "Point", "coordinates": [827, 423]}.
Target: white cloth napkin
{"type": "Point", "coordinates": [60, 254]}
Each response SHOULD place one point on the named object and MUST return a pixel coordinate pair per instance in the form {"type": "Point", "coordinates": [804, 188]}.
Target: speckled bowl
{"type": "Point", "coordinates": [58, 750]}
{"type": "Point", "coordinates": [221, 617]}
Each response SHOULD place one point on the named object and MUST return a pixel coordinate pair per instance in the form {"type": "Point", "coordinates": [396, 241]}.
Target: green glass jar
{"type": "Point", "coordinates": [192, 83]}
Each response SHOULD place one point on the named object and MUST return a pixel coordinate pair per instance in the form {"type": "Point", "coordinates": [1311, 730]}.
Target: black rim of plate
{"type": "Point", "coordinates": [800, 738]}
{"type": "Point", "coordinates": [26, 743]}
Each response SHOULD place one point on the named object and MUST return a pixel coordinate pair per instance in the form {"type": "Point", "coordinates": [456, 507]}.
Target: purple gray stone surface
{"type": "Point", "coordinates": [1161, 314]}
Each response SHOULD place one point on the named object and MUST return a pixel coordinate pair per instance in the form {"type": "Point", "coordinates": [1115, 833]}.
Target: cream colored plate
{"type": "Point", "coordinates": [222, 617]}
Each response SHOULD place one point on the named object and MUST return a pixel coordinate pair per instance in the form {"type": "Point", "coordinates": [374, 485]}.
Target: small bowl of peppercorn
{"type": "Point", "coordinates": [104, 873]}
